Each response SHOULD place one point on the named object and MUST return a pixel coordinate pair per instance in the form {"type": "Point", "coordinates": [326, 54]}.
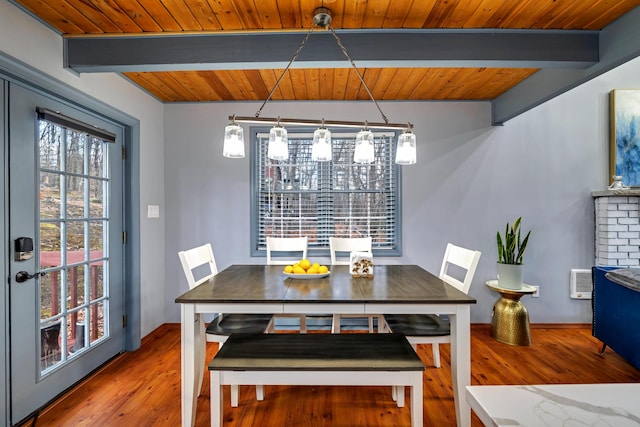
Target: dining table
{"type": "Point", "coordinates": [392, 289]}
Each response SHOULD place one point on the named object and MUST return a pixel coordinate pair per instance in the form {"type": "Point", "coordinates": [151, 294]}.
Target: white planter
{"type": "Point", "coordinates": [510, 276]}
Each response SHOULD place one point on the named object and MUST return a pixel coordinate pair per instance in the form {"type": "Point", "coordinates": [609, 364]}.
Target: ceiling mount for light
{"type": "Point", "coordinates": [322, 17]}
{"type": "Point", "coordinates": [364, 141]}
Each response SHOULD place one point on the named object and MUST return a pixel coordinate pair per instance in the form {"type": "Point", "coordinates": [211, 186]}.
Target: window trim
{"type": "Point", "coordinates": [254, 131]}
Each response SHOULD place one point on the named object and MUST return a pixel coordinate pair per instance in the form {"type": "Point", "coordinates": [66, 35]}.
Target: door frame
{"type": "Point", "coordinates": [4, 297]}
{"type": "Point", "coordinates": [14, 71]}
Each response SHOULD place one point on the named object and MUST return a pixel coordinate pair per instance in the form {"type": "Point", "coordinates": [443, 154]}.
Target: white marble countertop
{"type": "Point", "coordinates": [549, 405]}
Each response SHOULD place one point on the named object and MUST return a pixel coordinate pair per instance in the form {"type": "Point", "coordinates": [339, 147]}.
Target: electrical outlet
{"type": "Point", "coordinates": [536, 294]}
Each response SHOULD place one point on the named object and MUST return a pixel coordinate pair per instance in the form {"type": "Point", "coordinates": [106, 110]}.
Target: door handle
{"type": "Point", "coordinates": [23, 276]}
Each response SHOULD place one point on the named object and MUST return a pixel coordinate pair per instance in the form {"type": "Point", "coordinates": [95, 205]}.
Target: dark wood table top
{"type": "Point", "coordinates": [268, 284]}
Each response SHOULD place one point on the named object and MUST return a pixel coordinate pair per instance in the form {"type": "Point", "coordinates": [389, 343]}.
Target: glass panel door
{"type": "Point", "coordinates": [66, 291]}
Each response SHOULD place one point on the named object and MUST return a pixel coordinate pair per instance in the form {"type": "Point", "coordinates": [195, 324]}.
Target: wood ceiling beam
{"type": "Point", "coordinates": [368, 48]}
{"type": "Point", "coordinates": [619, 43]}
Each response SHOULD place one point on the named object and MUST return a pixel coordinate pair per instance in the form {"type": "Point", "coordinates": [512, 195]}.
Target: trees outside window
{"type": "Point", "coordinates": [302, 197]}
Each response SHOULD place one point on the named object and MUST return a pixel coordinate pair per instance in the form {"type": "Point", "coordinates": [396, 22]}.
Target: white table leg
{"type": "Point", "coordinates": [216, 399]}
{"type": "Point", "coordinates": [201, 352]}
{"type": "Point", "coordinates": [189, 357]}
{"type": "Point", "coordinates": [461, 362]}
{"type": "Point", "coordinates": [416, 403]}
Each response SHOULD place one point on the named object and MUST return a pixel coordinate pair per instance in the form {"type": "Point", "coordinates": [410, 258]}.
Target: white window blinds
{"type": "Point", "coordinates": [302, 197]}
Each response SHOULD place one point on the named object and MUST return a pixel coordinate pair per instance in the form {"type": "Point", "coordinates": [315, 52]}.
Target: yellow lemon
{"type": "Point", "coordinates": [305, 263]}
{"type": "Point", "coordinates": [288, 269]}
{"type": "Point", "coordinates": [315, 265]}
{"type": "Point", "coordinates": [299, 270]}
{"type": "Point", "coordinates": [312, 270]}
{"type": "Point", "coordinates": [323, 269]}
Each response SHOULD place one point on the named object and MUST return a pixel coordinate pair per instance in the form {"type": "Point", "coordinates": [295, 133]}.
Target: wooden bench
{"type": "Point", "coordinates": [317, 359]}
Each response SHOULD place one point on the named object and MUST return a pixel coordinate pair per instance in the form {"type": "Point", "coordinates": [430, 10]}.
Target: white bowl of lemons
{"type": "Point", "coordinates": [304, 269]}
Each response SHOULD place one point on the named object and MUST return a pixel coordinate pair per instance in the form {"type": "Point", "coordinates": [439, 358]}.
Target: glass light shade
{"type": "Point", "coordinates": [364, 152]}
{"type": "Point", "coordinates": [233, 142]}
{"type": "Point", "coordinates": [406, 150]}
{"type": "Point", "coordinates": [321, 148]}
{"type": "Point", "coordinates": [278, 144]}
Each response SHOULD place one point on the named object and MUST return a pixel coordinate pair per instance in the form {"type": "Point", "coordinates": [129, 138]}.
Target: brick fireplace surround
{"type": "Point", "coordinates": [617, 227]}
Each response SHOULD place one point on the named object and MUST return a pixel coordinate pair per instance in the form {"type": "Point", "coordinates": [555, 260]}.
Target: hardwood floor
{"type": "Point", "coordinates": [142, 388]}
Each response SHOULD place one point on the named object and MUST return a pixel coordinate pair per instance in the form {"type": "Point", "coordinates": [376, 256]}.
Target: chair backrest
{"type": "Point", "coordinates": [286, 245]}
{"type": "Point", "coordinates": [194, 258]}
{"type": "Point", "coordinates": [463, 259]}
{"type": "Point", "coordinates": [347, 244]}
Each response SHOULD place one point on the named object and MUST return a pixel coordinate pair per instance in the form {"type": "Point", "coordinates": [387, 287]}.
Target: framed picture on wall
{"type": "Point", "coordinates": [624, 148]}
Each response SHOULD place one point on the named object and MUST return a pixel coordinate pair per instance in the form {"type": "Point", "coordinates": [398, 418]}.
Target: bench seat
{"type": "Point", "coordinates": [317, 359]}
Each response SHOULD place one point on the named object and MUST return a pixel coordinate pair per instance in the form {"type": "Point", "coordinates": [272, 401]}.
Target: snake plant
{"type": "Point", "coordinates": [511, 249]}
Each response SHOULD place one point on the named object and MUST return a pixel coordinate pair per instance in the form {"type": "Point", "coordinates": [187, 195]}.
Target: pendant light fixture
{"type": "Point", "coordinates": [321, 150]}
{"type": "Point", "coordinates": [278, 143]}
{"type": "Point", "coordinates": [364, 152]}
{"type": "Point", "coordinates": [233, 141]}
{"type": "Point", "coordinates": [406, 149]}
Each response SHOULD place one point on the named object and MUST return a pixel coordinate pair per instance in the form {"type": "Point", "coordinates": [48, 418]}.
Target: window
{"type": "Point", "coordinates": [301, 197]}
{"type": "Point", "coordinates": [74, 223]}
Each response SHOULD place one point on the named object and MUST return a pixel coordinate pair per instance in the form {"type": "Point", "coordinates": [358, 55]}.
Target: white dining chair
{"type": "Point", "coordinates": [287, 251]}
{"type": "Point", "coordinates": [340, 249]}
{"type": "Point", "coordinates": [201, 262]}
{"type": "Point", "coordinates": [431, 328]}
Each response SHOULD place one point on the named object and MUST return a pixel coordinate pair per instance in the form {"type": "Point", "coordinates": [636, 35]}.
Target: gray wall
{"type": "Point", "coordinates": [32, 45]}
{"type": "Point", "coordinates": [470, 180]}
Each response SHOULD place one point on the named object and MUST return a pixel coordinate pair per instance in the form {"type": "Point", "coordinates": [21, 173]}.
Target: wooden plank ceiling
{"type": "Point", "coordinates": [117, 17]}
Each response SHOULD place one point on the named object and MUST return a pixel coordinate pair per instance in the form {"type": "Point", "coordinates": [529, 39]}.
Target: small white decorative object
{"type": "Point", "coordinates": [361, 264]}
{"type": "Point", "coordinates": [617, 183]}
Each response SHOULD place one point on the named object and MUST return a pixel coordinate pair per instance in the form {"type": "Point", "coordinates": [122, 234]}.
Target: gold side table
{"type": "Point", "coordinates": [510, 319]}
